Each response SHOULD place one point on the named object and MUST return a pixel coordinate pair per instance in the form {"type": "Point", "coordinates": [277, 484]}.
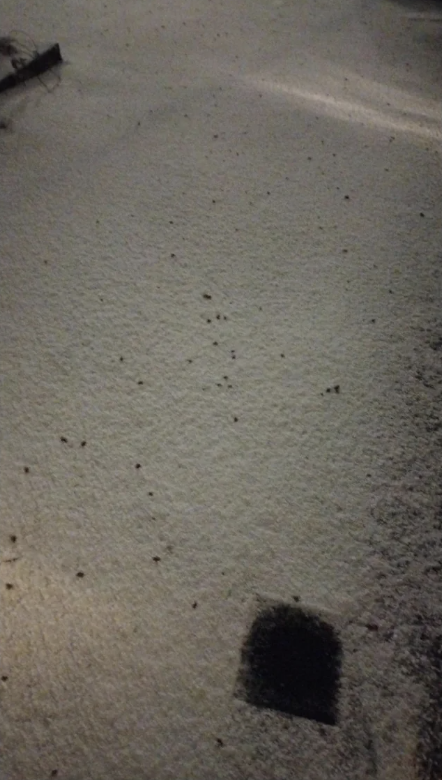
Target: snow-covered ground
{"type": "Point", "coordinates": [221, 383]}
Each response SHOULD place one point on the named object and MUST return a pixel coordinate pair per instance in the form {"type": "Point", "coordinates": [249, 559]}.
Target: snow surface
{"type": "Point", "coordinates": [213, 213]}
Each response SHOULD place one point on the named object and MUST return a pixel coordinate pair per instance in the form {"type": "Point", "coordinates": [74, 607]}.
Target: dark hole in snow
{"type": "Point", "coordinates": [291, 662]}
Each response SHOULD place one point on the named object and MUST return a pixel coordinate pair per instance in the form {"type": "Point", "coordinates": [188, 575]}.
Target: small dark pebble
{"type": "Point", "coordinates": [156, 558]}
{"type": "Point", "coordinates": [337, 388]}
{"type": "Point", "coordinates": [373, 319]}
{"type": "Point", "coordinates": [218, 316]}
{"type": "Point", "coordinates": [63, 439]}
{"type": "Point", "coordinates": [208, 320]}
{"type": "Point", "coordinates": [219, 742]}
{"type": "Point", "coordinates": [80, 574]}
{"type": "Point", "coordinates": [83, 444]}
{"type": "Point", "coordinates": [372, 626]}
{"type": "Point", "coordinates": [189, 360]}
{"type": "Point", "coordinates": [9, 586]}
{"type": "Point", "coordinates": [121, 359]}
{"type": "Point", "coordinates": [346, 197]}
{"type": "Point", "coordinates": [235, 419]}
{"type": "Point", "coordinates": [328, 390]}
{"type": "Point", "coordinates": [225, 377]}
{"type": "Point", "coordinates": [296, 598]}
{"type": "Point", "coordinates": [422, 214]}
{"type": "Point", "coordinates": [13, 538]}
{"type": "Point", "coordinates": [150, 493]}
{"type": "Point", "coordinates": [282, 354]}
{"type": "Point", "coordinates": [26, 469]}
{"type": "Point", "coordinates": [140, 382]}
{"type": "Point", "coordinates": [207, 296]}
{"type": "Point", "coordinates": [138, 465]}
{"type": "Point", "coordinates": [4, 677]}
{"type": "Point", "coordinates": [173, 254]}
{"type": "Point", "coordinates": [194, 605]}
{"type": "Point", "coordinates": [215, 343]}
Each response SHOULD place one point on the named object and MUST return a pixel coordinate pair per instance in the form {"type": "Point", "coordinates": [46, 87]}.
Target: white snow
{"type": "Point", "coordinates": [283, 159]}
